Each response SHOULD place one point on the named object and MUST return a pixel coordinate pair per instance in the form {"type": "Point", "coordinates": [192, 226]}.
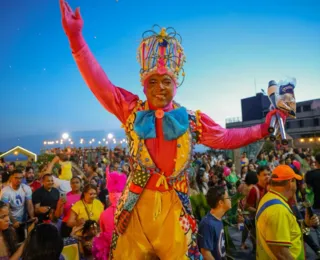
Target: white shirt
{"type": "Point", "coordinates": [63, 186]}
{"type": "Point", "coordinates": [16, 200]}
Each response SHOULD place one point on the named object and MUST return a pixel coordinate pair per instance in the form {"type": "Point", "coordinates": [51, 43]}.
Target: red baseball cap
{"type": "Point", "coordinates": [283, 173]}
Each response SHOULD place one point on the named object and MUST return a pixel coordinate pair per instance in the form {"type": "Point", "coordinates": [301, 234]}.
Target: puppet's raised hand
{"type": "Point", "coordinates": [71, 21]}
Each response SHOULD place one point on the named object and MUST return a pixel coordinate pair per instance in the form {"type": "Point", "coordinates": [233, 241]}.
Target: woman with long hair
{"type": "Point", "coordinates": [43, 243]}
{"type": "Point", "coordinates": [202, 179]}
{"type": "Point", "coordinates": [8, 243]}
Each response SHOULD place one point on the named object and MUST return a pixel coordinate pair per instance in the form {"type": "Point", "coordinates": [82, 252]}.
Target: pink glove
{"type": "Point", "coordinates": [72, 24]}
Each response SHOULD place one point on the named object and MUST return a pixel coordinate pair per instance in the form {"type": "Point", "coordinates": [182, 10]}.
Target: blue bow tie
{"type": "Point", "coordinates": [175, 123]}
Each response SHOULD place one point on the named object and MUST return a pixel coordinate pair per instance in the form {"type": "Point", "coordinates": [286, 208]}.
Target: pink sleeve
{"type": "Point", "coordinates": [116, 100]}
{"type": "Point", "coordinates": [217, 137]}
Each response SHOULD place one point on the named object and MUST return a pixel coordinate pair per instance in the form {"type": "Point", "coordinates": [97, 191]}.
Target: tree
{"type": "Point", "coordinates": [268, 146]}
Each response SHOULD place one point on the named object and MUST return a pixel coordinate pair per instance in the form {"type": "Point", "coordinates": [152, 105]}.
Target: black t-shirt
{"type": "Point", "coordinates": [46, 199]}
{"type": "Point", "coordinates": [313, 180]}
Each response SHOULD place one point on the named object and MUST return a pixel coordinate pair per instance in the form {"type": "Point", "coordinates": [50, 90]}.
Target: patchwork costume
{"type": "Point", "coordinates": [154, 217]}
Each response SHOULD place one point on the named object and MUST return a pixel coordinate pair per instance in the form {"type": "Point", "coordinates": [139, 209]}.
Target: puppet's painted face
{"type": "Point", "coordinates": [160, 90]}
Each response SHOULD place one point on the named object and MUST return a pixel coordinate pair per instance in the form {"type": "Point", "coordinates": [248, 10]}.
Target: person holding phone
{"type": "Point", "coordinates": [65, 204]}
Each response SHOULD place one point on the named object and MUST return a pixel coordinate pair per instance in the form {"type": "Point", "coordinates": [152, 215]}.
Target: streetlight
{"type": "Point", "coordinates": [65, 136]}
{"type": "Point", "coordinates": [110, 136]}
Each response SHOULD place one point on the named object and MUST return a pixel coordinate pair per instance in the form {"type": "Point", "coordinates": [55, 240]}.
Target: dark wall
{"type": "Point", "coordinates": [253, 107]}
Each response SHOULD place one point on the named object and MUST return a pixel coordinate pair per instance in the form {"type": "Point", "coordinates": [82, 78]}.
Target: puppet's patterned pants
{"type": "Point", "coordinates": [149, 238]}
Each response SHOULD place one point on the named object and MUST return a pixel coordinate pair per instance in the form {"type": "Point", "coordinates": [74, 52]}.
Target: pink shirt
{"type": "Point", "coordinates": [71, 199]}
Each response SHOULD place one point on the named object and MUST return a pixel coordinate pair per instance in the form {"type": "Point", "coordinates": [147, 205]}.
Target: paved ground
{"type": "Point", "coordinates": [247, 255]}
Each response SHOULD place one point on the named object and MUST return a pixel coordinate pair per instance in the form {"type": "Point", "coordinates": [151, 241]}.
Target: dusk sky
{"type": "Point", "coordinates": [228, 44]}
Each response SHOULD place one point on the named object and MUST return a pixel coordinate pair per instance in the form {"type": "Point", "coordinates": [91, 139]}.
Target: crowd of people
{"type": "Point", "coordinates": [71, 200]}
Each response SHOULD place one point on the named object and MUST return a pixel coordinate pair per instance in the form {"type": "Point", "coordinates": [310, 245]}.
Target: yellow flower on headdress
{"type": "Point", "coordinates": [163, 32]}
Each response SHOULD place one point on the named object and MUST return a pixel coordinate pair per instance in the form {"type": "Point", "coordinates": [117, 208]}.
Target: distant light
{"type": "Point", "coordinates": [71, 143]}
{"type": "Point", "coordinates": [319, 139]}
{"type": "Point", "coordinates": [16, 153]}
{"type": "Point", "coordinates": [99, 142]}
{"type": "Point", "coordinates": [110, 136]}
{"type": "Point", "coordinates": [92, 140]}
{"type": "Point", "coordinates": [311, 140]}
{"type": "Point", "coordinates": [104, 139]}
{"type": "Point", "coordinates": [57, 142]}
{"type": "Point", "coordinates": [106, 142]}
{"type": "Point", "coordinates": [44, 142]}
{"type": "Point", "coordinates": [65, 136]}
{"type": "Point", "coordinates": [302, 140]}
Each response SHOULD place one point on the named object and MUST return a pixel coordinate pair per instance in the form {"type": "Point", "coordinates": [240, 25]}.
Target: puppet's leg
{"type": "Point", "coordinates": [164, 232]}
{"type": "Point", "coordinates": [133, 244]}
{"type": "Point", "coordinates": [147, 237]}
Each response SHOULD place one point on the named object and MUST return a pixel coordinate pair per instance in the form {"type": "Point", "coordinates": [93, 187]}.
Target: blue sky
{"type": "Point", "coordinates": [228, 44]}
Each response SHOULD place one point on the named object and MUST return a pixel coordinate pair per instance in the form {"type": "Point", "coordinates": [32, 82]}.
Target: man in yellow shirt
{"type": "Point", "coordinates": [278, 233]}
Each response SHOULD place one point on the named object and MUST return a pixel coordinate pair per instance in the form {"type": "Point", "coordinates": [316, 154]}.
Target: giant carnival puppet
{"type": "Point", "coordinates": [154, 217]}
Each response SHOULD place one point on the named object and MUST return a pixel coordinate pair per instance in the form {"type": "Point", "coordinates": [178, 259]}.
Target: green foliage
{"type": "Point", "coordinates": [268, 146]}
{"type": "Point", "coordinates": [229, 243]}
{"type": "Point", "coordinates": [316, 149]}
{"type": "Point", "coordinates": [44, 159]}
{"type": "Point", "coordinates": [199, 206]}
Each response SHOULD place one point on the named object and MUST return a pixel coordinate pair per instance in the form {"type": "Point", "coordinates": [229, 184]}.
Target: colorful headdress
{"type": "Point", "coordinates": [161, 53]}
